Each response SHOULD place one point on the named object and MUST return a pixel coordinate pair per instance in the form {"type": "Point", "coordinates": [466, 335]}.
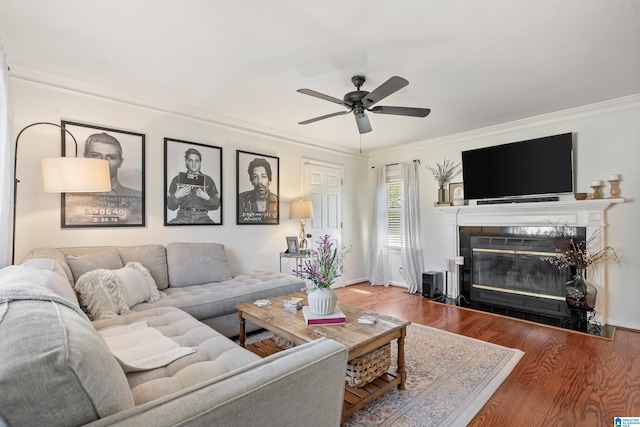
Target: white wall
{"type": "Point", "coordinates": [249, 247]}
{"type": "Point", "coordinates": [607, 142]}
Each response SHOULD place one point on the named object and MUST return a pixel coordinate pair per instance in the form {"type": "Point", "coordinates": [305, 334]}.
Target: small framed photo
{"type": "Point", "coordinates": [456, 193]}
{"type": "Point", "coordinates": [257, 182]}
{"type": "Point", "coordinates": [124, 205]}
{"type": "Point", "coordinates": [292, 245]}
{"type": "Point", "coordinates": [192, 183]}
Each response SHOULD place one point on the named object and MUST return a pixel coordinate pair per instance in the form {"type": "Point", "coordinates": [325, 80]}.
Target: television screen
{"type": "Point", "coordinates": [533, 167]}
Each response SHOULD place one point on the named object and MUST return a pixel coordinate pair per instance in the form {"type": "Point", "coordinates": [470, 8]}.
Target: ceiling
{"type": "Point", "coordinates": [474, 63]}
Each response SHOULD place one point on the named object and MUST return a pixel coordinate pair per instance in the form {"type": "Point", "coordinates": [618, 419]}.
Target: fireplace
{"type": "Point", "coordinates": [513, 235]}
{"type": "Point", "coordinates": [506, 268]}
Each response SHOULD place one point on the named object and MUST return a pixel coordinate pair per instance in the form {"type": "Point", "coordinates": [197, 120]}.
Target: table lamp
{"type": "Point", "coordinates": [301, 209]}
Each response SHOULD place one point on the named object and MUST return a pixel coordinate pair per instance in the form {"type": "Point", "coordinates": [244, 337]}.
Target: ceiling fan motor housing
{"type": "Point", "coordinates": [354, 98]}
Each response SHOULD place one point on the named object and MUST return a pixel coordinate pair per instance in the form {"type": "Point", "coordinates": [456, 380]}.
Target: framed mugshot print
{"type": "Point", "coordinates": [192, 183]}
{"type": "Point", "coordinates": [257, 182]}
{"type": "Point", "coordinates": [124, 205]}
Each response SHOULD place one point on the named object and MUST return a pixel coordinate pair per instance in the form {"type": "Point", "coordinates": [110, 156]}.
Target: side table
{"type": "Point", "coordinates": [298, 257]}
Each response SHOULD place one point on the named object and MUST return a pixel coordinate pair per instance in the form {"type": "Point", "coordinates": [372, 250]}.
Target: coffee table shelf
{"type": "Point", "coordinates": [358, 338]}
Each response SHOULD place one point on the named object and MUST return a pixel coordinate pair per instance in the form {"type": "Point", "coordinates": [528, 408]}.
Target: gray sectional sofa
{"type": "Point", "coordinates": [56, 369]}
{"type": "Point", "coordinates": [194, 277]}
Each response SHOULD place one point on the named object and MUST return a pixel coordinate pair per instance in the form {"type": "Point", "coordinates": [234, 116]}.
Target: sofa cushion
{"type": "Point", "coordinates": [109, 259]}
{"type": "Point", "coordinates": [55, 368]}
{"type": "Point", "coordinates": [196, 263]}
{"type": "Point", "coordinates": [60, 287]}
{"type": "Point", "coordinates": [106, 293]}
{"type": "Point", "coordinates": [54, 254]}
{"type": "Point", "coordinates": [215, 354]}
{"type": "Point", "coordinates": [152, 256]}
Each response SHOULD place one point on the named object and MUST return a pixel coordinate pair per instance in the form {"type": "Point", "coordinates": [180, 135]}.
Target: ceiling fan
{"type": "Point", "coordinates": [360, 101]}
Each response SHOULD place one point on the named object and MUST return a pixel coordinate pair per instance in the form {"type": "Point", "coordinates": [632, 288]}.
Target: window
{"type": "Point", "coordinates": [395, 189]}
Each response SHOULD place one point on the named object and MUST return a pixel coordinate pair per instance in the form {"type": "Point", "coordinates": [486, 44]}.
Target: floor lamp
{"type": "Point", "coordinates": [301, 209]}
{"type": "Point", "coordinates": [64, 175]}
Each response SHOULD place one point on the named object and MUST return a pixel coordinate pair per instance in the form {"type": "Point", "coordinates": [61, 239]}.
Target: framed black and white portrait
{"type": "Point", "coordinates": [257, 180]}
{"type": "Point", "coordinates": [124, 205]}
{"type": "Point", "coordinates": [192, 183]}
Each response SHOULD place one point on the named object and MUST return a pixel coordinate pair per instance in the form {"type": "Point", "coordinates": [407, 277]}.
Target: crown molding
{"type": "Point", "coordinates": [623, 103]}
{"type": "Point", "coordinates": [63, 85]}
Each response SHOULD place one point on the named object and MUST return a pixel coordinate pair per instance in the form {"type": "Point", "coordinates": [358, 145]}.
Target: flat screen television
{"type": "Point", "coordinates": [535, 167]}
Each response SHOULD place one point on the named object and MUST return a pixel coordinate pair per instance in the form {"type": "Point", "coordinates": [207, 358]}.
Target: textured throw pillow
{"type": "Point", "coordinates": [196, 263]}
{"type": "Point", "coordinates": [108, 293]}
{"type": "Point", "coordinates": [85, 263]}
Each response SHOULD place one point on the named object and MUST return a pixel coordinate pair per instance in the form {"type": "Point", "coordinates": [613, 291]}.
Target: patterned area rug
{"type": "Point", "coordinates": [449, 378]}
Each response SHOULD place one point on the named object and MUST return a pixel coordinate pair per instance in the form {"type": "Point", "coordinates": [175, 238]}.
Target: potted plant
{"type": "Point", "coordinates": [322, 270]}
{"type": "Point", "coordinates": [443, 173]}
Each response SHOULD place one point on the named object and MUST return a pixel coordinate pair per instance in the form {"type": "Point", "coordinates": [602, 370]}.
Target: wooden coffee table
{"type": "Point", "coordinates": [359, 339]}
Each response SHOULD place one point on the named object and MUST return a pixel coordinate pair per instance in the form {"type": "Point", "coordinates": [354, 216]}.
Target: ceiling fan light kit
{"type": "Point", "coordinates": [359, 102]}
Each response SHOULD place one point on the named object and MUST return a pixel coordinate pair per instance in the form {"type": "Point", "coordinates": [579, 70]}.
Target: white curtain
{"type": "Point", "coordinates": [411, 248]}
{"type": "Point", "coordinates": [379, 258]}
{"type": "Point", "coordinates": [6, 164]}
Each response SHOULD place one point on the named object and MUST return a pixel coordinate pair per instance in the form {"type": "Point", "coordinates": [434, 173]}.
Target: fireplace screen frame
{"type": "Point", "coordinates": [509, 243]}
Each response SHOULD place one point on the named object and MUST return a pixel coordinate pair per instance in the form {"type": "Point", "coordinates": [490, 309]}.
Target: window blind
{"type": "Point", "coordinates": [394, 203]}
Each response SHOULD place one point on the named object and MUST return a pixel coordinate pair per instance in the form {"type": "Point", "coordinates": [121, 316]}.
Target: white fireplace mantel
{"type": "Point", "coordinates": [576, 213]}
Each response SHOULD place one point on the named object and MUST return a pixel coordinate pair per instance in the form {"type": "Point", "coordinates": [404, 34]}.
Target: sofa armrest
{"type": "Point", "coordinates": [303, 385]}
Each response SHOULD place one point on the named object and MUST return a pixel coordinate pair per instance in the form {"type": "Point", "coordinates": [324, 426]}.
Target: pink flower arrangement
{"type": "Point", "coordinates": [325, 266]}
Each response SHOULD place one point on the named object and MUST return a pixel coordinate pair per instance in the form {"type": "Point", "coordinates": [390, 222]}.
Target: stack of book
{"type": "Point", "coordinates": [293, 304]}
{"type": "Point", "coordinates": [335, 318]}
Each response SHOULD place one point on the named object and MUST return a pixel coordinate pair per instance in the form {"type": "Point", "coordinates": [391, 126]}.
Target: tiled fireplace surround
{"type": "Point", "coordinates": [584, 213]}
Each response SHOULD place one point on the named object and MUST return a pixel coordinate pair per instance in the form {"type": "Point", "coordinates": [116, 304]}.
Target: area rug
{"type": "Point", "coordinates": [449, 379]}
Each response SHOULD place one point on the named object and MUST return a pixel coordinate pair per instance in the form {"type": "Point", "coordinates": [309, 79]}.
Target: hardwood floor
{"type": "Point", "coordinates": [564, 379]}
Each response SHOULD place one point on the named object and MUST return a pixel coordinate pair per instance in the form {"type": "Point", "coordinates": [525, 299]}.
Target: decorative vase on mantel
{"type": "Point", "coordinates": [322, 301]}
{"type": "Point", "coordinates": [580, 294]}
{"type": "Point", "coordinates": [442, 196]}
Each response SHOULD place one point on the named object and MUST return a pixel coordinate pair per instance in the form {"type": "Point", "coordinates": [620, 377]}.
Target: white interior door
{"type": "Point", "coordinates": [323, 186]}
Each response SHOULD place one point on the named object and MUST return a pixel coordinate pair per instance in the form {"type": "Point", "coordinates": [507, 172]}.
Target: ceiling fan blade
{"type": "Point", "coordinates": [322, 96]}
{"type": "Point", "coordinates": [339, 113]}
{"type": "Point", "coordinates": [364, 125]}
{"type": "Point", "coordinates": [401, 111]}
{"type": "Point", "coordinates": [392, 85]}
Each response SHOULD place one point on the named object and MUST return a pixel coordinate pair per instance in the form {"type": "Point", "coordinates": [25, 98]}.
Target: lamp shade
{"type": "Point", "coordinates": [75, 175]}
{"type": "Point", "coordinates": [301, 209]}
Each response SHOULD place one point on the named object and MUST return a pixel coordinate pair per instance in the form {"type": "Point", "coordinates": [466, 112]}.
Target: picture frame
{"type": "Point", "coordinates": [258, 188]}
{"type": "Point", "coordinates": [292, 245]}
{"type": "Point", "coordinates": [456, 192]}
{"type": "Point", "coordinates": [192, 183]}
{"type": "Point", "coordinates": [124, 205]}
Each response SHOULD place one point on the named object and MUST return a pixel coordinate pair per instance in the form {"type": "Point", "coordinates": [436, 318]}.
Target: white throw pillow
{"type": "Point", "coordinates": [108, 293]}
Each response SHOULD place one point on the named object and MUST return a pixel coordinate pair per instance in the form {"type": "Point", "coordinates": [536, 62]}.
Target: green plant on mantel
{"type": "Point", "coordinates": [444, 172]}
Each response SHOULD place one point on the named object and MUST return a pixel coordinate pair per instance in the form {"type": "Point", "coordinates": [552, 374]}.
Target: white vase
{"type": "Point", "coordinates": [322, 301]}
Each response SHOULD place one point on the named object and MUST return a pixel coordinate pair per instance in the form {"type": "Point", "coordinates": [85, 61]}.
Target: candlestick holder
{"type": "Point", "coordinates": [596, 191]}
{"type": "Point", "coordinates": [615, 188]}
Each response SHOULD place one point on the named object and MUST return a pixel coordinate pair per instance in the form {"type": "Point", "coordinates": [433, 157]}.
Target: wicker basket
{"type": "Point", "coordinates": [366, 368]}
